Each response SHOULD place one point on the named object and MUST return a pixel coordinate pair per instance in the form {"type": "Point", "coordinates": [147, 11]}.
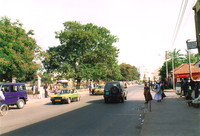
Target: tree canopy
{"type": "Point", "coordinates": [17, 51]}
{"type": "Point", "coordinates": [85, 51]}
{"type": "Point", "coordinates": [129, 72]}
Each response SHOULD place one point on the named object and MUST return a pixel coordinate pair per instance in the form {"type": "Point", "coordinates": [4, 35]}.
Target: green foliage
{"type": "Point", "coordinates": [46, 77]}
{"type": "Point", "coordinates": [17, 51]}
{"type": "Point", "coordinates": [129, 72]}
{"type": "Point", "coordinates": [178, 60]}
{"type": "Point", "coordinates": [85, 51]}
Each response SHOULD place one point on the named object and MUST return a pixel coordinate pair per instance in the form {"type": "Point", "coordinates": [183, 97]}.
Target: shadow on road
{"type": "Point", "coordinates": [97, 119]}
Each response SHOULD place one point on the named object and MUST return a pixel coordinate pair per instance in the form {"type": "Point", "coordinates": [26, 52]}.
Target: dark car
{"type": "Point", "coordinates": [15, 94]}
{"type": "Point", "coordinates": [115, 91]}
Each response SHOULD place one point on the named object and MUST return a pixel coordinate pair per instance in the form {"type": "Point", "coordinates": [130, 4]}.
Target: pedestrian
{"type": "Point", "coordinates": [90, 89]}
{"type": "Point", "coordinates": [45, 91]}
{"type": "Point", "coordinates": [55, 90]}
{"type": "Point", "coordinates": [147, 93]}
{"type": "Point", "coordinates": [158, 95]}
{"type": "Point", "coordinates": [2, 97]}
{"type": "Point", "coordinates": [185, 87]}
{"type": "Point", "coordinates": [33, 90]}
{"type": "Point", "coordinates": [162, 88]}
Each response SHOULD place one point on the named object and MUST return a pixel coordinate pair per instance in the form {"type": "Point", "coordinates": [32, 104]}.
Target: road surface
{"type": "Point", "coordinates": [88, 117]}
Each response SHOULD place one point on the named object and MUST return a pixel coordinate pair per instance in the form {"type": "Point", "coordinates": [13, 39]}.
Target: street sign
{"type": "Point", "coordinates": [191, 45]}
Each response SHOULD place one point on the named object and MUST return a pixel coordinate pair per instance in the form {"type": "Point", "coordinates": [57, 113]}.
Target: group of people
{"type": "Point", "coordinates": [40, 90]}
{"type": "Point", "coordinates": [159, 92]}
{"type": "Point", "coordinates": [188, 86]}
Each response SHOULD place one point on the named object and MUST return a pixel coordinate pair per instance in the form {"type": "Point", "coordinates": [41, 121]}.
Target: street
{"type": "Point", "coordinates": [88, 117]}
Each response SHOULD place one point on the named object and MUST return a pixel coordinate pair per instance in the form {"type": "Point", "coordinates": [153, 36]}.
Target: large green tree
{"type": "Point", "coordinates": [85, 51]}
{"type": "Point", "coordinates": [17, 51]}
{"type": "Point", "coordinates": [129, 72]}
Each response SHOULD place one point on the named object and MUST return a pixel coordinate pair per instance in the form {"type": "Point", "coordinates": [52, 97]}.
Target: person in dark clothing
{"type": "Point", "coordinates": [162, 88]}
{"type": "Point", "coordinates": [45, 89]}
{"type": "Point", "coordinates": [185, 87]}
{"type": "Point", "coordinates": [147, 93]}
{"type": "Point", "coordinates": [194, 87]}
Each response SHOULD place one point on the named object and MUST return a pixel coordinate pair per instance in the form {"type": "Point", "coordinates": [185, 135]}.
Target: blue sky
{"type": "Point", "coordinates": [144, 28]}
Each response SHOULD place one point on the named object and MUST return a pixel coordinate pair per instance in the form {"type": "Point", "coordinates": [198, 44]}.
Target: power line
{"type": "Point", "coordinates": [179, 21]}
{"type": "Point", "coordinates": [190, 10]}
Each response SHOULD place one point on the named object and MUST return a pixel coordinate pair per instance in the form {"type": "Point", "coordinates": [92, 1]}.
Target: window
{"type": "Point", "coordinates": [22, 88]}
{"type": "Point", "coordinates": [5, 88]}
{"type": "Point", "coordinates": [13, 88]}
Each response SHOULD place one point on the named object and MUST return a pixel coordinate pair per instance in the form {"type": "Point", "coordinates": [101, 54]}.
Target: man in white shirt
{"type": "Point", "coordinates": [2, 97]}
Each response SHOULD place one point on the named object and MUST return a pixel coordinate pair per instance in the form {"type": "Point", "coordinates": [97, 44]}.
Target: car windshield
{"type": "Point", "coordinates": [109, 85]}
{"type": "Point", "coordinates": [64, 91]}
{"type": "Point", "coordinates": [100, 87]}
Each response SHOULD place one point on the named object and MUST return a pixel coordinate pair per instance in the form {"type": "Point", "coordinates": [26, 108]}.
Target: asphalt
{"type": "Point", "coordinates": [171, 117]}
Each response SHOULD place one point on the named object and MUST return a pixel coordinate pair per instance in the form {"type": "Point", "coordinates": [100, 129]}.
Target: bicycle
{"type": "Point", "coordinates": [4, 109]}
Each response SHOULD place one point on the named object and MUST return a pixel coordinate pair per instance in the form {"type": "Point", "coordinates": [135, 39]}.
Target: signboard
{"type": "Point", "coordinates": [192, 45]}
{"type": "Point", "coordinates": [194, 75]}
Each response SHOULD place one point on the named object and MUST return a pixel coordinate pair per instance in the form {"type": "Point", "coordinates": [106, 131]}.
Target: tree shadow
{"type": "Point", "coordinates": [97, 119]}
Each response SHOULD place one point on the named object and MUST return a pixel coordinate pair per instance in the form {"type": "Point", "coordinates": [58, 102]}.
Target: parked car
{"type": "Point", "coordinates": [65, 96]}
{"type": "Point", "coordinates": [99, 89]}
{"type": "Point", "coordinates": [15, 94]}
{"type": "Point", "coordinates": [115, 90]}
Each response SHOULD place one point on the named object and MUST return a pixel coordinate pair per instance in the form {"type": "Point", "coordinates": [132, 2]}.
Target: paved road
{"type": "Point", "coordinates": [88, 117]}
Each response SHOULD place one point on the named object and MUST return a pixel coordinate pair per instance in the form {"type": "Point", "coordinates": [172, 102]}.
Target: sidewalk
{"type": "Point", "coordinates": [171, 117]}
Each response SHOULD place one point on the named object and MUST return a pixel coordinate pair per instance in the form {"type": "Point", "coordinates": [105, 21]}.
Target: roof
{"type": "Point", "coordinates": [184, 69]}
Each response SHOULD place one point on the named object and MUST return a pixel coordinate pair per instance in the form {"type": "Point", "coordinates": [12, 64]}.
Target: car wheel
{"type": "Point", "coordinates": [122, 100]}
{"type": "Point", "coordinates": [20, 104]}
{"type": "Point", "coordinates": [106, 100]}
{"type": "Point", "coordinates": [68, 100]}
{"type": "Point", "coordinates": [53, 103]}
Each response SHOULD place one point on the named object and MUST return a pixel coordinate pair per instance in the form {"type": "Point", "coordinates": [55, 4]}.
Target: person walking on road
{"type": "Point", "coordinates": [147, 93]}
{"type": "Point", "coordinates": [158, 95]}
{"type": "Point", "coordinates": [90, 89]}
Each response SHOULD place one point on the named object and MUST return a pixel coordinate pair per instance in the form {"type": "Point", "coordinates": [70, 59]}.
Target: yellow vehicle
{"type": "Point", "coordinates": [65, 96]}
{"type": "Point", "coordinates": [99, 89]}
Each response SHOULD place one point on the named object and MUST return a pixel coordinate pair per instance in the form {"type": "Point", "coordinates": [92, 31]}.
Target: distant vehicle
{"type": "Point", "coordinates": [115, 90]}
{"type": "Point", "coordinates": [99, 89]}
{"type": "Point", "coordinates": [65, 96]}
{"type": "Point", "coordinates": [62, 84]}
{"type": "Point", "coordinates": [15, 94]}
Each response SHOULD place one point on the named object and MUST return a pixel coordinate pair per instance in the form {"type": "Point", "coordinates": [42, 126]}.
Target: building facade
{"type": "Point", "coordinates": [196, 9]}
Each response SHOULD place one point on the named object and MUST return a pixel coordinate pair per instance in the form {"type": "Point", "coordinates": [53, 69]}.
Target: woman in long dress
{"type": "Point", "coordinates": [158, 95]}
{"type": "Point", "coordinates": [147, 94]}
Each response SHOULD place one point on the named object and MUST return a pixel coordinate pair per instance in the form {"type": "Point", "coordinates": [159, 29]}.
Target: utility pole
{"type": "Point", "coordinates": [166, 58]}
{"type": "Point", "coordinates": [191, 45]}
{"type": "Point", "coordinates": [173, 72]}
